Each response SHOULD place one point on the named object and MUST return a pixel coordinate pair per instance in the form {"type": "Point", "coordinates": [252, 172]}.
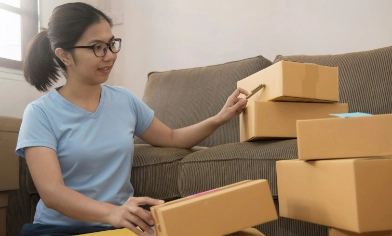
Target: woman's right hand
{"type": "Point", "coordinates": [131, 212]}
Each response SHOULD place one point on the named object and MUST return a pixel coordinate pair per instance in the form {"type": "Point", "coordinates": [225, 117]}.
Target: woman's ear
{"type": "Point", "coordinates": [64, 56]}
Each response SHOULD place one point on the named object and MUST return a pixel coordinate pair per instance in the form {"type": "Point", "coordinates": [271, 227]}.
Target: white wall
{"type": "Point", "coordinates": [175, 34]}
{"type": "Point", "coordinates": [15, 93]}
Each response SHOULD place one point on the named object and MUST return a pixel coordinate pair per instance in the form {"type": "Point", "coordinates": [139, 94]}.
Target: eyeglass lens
{"type": "Point", "coordinates": [100, 49]}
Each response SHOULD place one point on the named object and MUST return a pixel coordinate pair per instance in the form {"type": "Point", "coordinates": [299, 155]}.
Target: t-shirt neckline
{"type": "Point", "coordinates": [75, 108]}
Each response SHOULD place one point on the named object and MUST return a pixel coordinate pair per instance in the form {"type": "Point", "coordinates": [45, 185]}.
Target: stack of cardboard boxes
{"type": "Point", "coordinates": [9, 164]}
{"type": "Point", "coordinates": [343, 175]}
{"type": "Point", "coordinates": [294, 91]}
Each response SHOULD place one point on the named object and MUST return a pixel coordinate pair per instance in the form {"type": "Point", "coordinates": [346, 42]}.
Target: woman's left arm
{"type": "Point", "coordinates": [158, 134]}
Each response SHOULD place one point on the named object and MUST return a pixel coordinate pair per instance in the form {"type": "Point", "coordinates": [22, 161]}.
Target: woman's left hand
{"type": "Point", "coordinates": [233, 106]}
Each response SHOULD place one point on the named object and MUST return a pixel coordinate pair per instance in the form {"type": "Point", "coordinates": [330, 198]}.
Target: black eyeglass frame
{"type": "Point", "coordinates": [107, 46]}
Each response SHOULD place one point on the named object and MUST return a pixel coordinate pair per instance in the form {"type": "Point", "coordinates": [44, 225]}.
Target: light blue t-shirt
{"type": "Point", "coordinates": [95, 150]}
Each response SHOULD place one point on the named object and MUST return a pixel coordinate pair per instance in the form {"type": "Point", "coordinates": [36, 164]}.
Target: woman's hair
{"type": "Point", "coordinates": [66, 25]}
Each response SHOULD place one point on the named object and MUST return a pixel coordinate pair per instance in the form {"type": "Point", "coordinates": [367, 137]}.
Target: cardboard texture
{"type": "Point", "coordinates": [9, 161]}
{"type": "Point", "coordinates": [3, 212]}
{"type": "Point", "coordinates": [126, 232]}
{"type": "Point", "coordinates": [265, 120]}
{"type": "Point", "coordinates": [217, 212]}
{"type": "Point", "coordinates": [247, 232]}
{"type": "Point", "coordinates": [294, 82]}
{"type": "Point", "coordinates": [349, 194]}
{"type": "Point", "coordinates": [345, 137]}
{"type": "Point", "coordinates": [115, 232]}
{"type": "Point", "coordinates": [339, 232]}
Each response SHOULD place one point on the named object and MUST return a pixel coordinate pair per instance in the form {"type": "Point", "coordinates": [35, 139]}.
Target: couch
{"type": "Point", "coordinates": [184, 97]}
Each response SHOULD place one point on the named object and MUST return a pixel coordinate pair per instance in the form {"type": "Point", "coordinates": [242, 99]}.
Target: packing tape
{"type": "Point", "coordinates": [310, 81]}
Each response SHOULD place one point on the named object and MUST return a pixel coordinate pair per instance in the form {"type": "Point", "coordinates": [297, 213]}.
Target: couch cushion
{"type": "Point", "coordinates": [184, 97]}
{"type": "Point", "coordinates": [230, 163]}
{"type": "Point", "coordinates": [365, 78]}
{"type": "Point", "coordinates": [155, 170]}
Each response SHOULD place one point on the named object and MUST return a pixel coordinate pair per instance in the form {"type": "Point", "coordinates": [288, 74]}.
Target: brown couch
{"type": "Point", "coordinates": [184, 97]}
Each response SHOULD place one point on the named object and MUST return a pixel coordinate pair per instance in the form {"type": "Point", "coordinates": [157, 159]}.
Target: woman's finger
{"type": "Point", "coordinates": [128, 224]}
{"type": "Point", "coordinates": [140, 201]}
{"type": "Point", "coordinates": [141, 217]}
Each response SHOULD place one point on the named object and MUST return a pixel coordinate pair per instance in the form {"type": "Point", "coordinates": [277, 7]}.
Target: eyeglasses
{"type": "Point", "coordinates": [100, 49]}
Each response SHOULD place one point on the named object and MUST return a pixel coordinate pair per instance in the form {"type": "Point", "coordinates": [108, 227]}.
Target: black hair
{"type": "Point", "coordinates": [66, 25]}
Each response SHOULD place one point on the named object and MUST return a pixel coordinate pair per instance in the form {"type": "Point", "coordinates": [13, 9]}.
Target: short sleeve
{"type": "Point", "coordinates": [35, 130]}
{"type": "Point", "coordinates": [144, 114]}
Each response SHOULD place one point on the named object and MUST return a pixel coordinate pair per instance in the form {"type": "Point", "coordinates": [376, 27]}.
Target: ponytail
{"type": "Point", "coordinates": [40, 68]}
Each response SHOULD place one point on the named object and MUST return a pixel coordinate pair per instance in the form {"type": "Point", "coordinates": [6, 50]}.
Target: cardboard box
{"type": "Point", "coordinates": [9, 161]}
{"type": "Point", "coordinates": [3, 212]}
{"type": "Point", "coordinates": [349, 194]}
{"type": "Point", "coordinates": [294, 82]}
{"type": "Point", "coordinates": [247, 232]}
{"type": "Point", "coordinates": [345, 137]}
{"type": "Point", "coordinates": [339, 232]}
{"type": "Point", "coordinates": [266, 120]}
{"type": "Point", "coordinates": [217, 212]}
{"type": "Point", "coordinates": [127, 232]}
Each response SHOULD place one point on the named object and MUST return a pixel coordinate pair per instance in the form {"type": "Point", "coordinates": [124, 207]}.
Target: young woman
{"type": "Point", "coordinates": [78, 139]}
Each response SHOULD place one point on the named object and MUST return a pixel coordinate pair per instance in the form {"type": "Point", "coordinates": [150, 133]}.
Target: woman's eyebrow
{"type": "Point", "coordinates": [100, 41]}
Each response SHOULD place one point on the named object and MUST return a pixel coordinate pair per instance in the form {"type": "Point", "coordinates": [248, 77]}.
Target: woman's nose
{"type": "Point", "coordinates": [108, 54]}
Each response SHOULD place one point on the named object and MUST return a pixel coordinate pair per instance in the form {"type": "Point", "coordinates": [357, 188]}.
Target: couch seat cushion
{"type": "Point", "coordinates": [155, 170]}
{"type": "Point", "coordinates": [229, 163]}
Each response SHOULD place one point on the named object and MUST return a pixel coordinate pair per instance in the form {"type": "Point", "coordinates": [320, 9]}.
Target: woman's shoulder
{"type": "Point", "coordinates": [42, 101]}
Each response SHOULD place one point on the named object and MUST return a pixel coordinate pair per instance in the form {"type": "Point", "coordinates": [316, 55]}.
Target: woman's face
{"type": "Point", "coordinates": [86, 66]}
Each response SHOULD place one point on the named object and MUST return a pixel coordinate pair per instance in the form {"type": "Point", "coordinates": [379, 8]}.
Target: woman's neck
{"type": "Point", "coordinates": [84, 96]}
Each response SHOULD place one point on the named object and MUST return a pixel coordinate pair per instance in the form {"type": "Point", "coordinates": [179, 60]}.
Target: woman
{"type": "Point", "coordinates": [77, 139]}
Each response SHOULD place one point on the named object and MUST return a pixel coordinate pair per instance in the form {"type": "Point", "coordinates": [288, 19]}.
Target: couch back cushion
{"type": "Point", "coordinates": [365, 78]}
{"type": "Point", "coordinates": [184, 97]}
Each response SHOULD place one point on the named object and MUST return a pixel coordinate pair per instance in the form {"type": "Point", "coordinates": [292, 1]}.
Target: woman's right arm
{"type": "Point", "coordinates": [46, 173]}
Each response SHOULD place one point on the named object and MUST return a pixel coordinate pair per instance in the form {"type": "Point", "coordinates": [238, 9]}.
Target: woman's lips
{"type": "Point", "coordinates": [105, 70]}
